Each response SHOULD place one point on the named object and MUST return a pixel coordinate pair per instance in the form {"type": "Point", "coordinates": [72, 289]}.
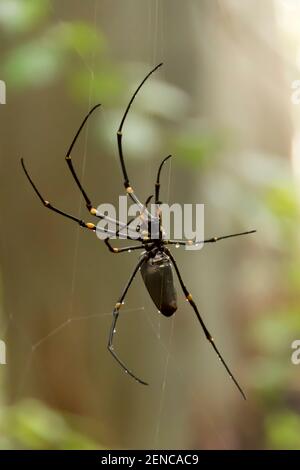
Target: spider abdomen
{"type": "Point", "coordinates": [157, 275]}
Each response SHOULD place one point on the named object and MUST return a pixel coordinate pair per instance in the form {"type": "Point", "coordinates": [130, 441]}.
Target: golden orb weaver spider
{"type": "Point", "coordinates": [156, 262]}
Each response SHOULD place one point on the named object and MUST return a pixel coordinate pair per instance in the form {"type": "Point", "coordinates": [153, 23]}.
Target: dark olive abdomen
{"type": "Point", "coordinates": [158, 278]}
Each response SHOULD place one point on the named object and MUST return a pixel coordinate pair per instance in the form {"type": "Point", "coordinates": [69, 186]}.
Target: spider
{"type": "Point", "coordinates": [156, 263]}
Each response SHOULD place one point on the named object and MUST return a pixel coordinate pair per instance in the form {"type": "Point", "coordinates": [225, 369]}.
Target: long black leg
{"type": "Point", "coordinates": [209, 240]}
{"type": "Point", "coordinates": [115, 318]}
{"type": "Point", "coordinates": [48, 205]}
{"type": "Point", "coordinates": [123, 249]}
{"type": "Point", "coordinates": [157, 183]}
{"type": "Point", "coordinates": [69, 161]}
{"type": "Point", "coordinates": [206, 332]}
{"type": "Point", "coordinates": [127, 185]}
{"type": "Point", "coordinates": [88, 202]}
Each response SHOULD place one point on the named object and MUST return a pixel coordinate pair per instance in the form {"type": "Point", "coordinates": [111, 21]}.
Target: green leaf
{"type": "Point", "coordinates": [31, 425]}
{"type": "Point", "coordinates": [283, 431]}
{"type": "Point", "coordinates": [81, 37]}
{"type": "Point", "coordinates": [282, 201]}
{"type": "Point", "coordinates": [33, 64]}
{"type": "Point", "coordinates": [104, 84]}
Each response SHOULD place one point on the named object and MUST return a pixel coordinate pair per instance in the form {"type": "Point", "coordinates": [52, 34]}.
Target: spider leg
{"type": "Point", "coordinates": [122, 250]}
{"type": "Point", "coordinates": [48, 205]}
{"type": "Point", "coordinates": [115, 318]}
{"type": "Point", "coordinates": [127, 185]}
{"type": "Point", "coordinates": [157, 184]}
{"type": "Point", "coordinates": [69, 161]}
{"type": "Point", "coordinates": [88, 202]}
{"type": "Point", "coordinates": [206, 332]}
{"type": "Point", "coordinates": [208, 240]}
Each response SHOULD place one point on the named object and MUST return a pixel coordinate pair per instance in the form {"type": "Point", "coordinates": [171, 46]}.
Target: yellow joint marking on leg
{"type": "Point", "coordinates": [90, 226]}
{"type": "Point", "coordinates": [189, 297]}
{"type": "Point", "coordinates": [146, 239]}
{"type": "Point", "coordinates": [47, 203]}
{"type": "Point", "coordinates": [190, 242]}
{"type": "Point", "coordinates": [119, 133]}
{"type": "Point", "coordinates": [215, 239]}
{"type": "Point", "coordinates": [118, 305]}
{"type": "Point", "coordinates": [93, 211]}
{"type": "Point", "coordinates": [129, 190]}
{"type": "Point", "coordinates": [116, 250]}
{"type": "Point", "coordinates": [68, 157]}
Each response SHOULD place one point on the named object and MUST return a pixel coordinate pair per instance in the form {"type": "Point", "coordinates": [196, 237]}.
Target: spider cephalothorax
{"type": "Point", "coordinates": [156, 262]}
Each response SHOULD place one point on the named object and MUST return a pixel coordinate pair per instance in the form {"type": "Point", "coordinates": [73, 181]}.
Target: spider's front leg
{"type": "Point", "coordinates": [209, 337]}
{"type": "Point", "coordinates": [68, 158]}
{"type": "Point", "coordinates": [126, 182]}
{"type": "Point", "coordinates": [116, 312]}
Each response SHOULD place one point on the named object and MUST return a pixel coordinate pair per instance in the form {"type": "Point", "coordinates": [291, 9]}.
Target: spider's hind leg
{"type": "Point", "coordinates": [209, 337]}
{"type": "Point", "coordinates": [116, 312]}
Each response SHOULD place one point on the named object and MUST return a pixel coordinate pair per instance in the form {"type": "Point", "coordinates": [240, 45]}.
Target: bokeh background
{"type": "Point", "coordinates": [225, 104]}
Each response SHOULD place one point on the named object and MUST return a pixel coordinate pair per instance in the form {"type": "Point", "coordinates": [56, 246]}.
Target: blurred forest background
{"type": "Point", "coordinates": [225, 105]}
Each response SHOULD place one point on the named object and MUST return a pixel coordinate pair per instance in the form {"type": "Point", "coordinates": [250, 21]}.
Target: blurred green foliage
{"type": "Point", "coordinates": [31, 425]}
{"type": "Point", "coordinates": [274, 330]}
{"type": "Point", "coordinates": [50, 55]}
{"type": "Point", "coordinates": [200, 148]}
{"type": "Point", "coordinates": [20, 16]}
{"type": "Point", "coordinates": [99, 79]}
{"type": "Point", "coordinates": [283, 431]}
{"type": "Point", "coordinates": [77, 53]}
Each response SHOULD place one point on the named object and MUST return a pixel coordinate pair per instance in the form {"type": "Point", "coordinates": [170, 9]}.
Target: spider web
{"type": "Point", "coordinates": [156, 53]}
